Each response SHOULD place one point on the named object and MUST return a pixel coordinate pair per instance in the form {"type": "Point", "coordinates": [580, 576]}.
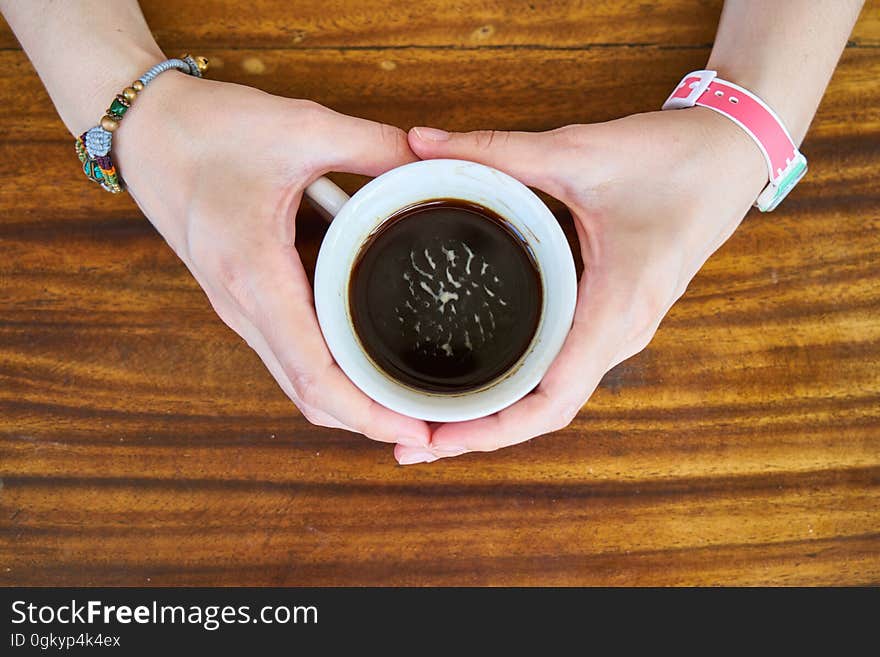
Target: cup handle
{"type": "Point", "coordinates": [327, 197]}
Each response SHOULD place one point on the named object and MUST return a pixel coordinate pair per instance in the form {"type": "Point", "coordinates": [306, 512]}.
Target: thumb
{"type": "Point", "coordinates": [359, 145]}
{"type": "Point", "coordinates": [528, 156]}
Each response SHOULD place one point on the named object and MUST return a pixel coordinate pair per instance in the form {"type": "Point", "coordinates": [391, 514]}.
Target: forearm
{"type": "Point", "coordinates": [85, 51]}
{"type": "Point", "coordinates": [785, 52]}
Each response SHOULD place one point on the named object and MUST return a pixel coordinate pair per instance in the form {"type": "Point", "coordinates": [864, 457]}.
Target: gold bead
{"type": "Point", "coordinates": [202, 63]}
{"type": "Point", "coordinates": [129, 93]}
{"type": "Point", "coordinates": [137, 85]}
{"type": "Point", "coordinates": [109, 123]}
{"type": "Point", "coordinates": [184, 56]}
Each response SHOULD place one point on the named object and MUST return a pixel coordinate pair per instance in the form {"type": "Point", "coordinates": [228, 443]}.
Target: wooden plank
{"type": "Point", "coordinates": [463, 24]}
{"type": "Point", "coordinates": [408, 529]}
{"type": "Point", "coordinates": [532, 90]}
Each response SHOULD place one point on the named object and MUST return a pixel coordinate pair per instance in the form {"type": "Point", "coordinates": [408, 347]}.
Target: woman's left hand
{"type": "Point", "coordinates": [653, 196]}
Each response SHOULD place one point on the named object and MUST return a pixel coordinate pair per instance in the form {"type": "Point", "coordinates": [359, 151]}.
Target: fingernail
{"type": "Point", "coordinates": [411, 441]}
{"type": "Point", "coordinates": [431, 134]}
{"type": "Point", "coordinates": [419, 456]}
{"type": "Point", "coordinates": [448, 450]}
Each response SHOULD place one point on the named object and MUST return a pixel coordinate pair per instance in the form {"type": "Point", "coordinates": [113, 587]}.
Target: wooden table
{"type": "Point", "coordinates": [143, 443]}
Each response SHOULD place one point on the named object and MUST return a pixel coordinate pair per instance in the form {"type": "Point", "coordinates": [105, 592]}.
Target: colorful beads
{"type": "Point", "coordinates": [118, 107]}
{"type": "Point", "coordinates": [109, 123]}
{"type": "Point", "coordinates": [93, 146]}
{"type": "Point", "coordinates": [100, 169]}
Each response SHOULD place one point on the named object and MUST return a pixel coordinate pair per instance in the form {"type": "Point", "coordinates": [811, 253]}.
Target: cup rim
{"type": "Point", "coordinates": [369, 208]}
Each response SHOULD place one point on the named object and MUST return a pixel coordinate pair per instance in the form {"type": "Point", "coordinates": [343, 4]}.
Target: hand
{"type": "Point", "coordinates": [220, 169]}
{"type": "Point", "coordinates": [652, 196]}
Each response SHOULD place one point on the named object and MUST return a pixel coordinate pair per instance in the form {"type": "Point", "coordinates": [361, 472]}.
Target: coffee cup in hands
{"type": "Point", "coordinates": [444, 289]}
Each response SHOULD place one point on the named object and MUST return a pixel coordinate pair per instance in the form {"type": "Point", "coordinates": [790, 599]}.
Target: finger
{"type": "Point", "coordinates": [408, 455]}
{"type": "Point", "coordinates": [359, 145]}
{"type": "Point", "coordinates": [314, 415]}
{"type": "Point", "coordinates": [527, 156]}
{"type": "Point", "coordinates": [286, 319]}
{"type": "Point", "coordinates": [584, 359]}
{"type": "Point", "coordinates": [247, 331]}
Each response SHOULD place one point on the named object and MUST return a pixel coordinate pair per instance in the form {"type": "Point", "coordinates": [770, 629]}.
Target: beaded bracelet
{"type": "Point", "coordinates": [93, 146]}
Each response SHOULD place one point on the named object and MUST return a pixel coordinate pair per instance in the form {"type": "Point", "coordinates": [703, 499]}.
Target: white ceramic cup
{"type": "Point", "coordinates": [356, 218]}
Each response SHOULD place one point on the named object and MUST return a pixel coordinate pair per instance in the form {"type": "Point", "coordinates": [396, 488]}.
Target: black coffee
{"type": "Point", "coordinates": [445, 296]}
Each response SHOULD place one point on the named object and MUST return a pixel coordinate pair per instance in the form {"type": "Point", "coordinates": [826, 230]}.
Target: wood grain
{"type": "Point", "coordinates": [143, 443]}
{"type": "Point", "coordinates": [542, 24]}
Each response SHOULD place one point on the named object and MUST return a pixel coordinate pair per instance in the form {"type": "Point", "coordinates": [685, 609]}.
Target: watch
{"type": "Point", "coordinates": [785, 164]}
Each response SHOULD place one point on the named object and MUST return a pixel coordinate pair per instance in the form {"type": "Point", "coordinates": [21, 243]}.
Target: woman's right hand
{"type": "Point", "coordinates": [219, 169]}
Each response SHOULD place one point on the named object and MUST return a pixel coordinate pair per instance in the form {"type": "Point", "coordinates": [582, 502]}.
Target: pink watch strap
{"type": "Point", "coordinates": [785, 164]}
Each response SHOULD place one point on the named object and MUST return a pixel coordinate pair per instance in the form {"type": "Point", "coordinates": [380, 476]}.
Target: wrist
{"type": "Point", "coordinates": [148, 121]}
{"type": "Point", "coordinates": [793, 108]}
{"type": "Point", "coordinates": [82, 104]}
{"type": "Point", "coordinates": [157, 145]}
{"type": "Point", "coordinates": [721, 158]}
{"type": "Point", "coordinates": [786, 165]}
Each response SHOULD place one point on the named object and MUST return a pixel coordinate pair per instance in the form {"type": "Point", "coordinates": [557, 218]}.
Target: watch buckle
{"type": "Point", "coordinates": [697, 82]}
